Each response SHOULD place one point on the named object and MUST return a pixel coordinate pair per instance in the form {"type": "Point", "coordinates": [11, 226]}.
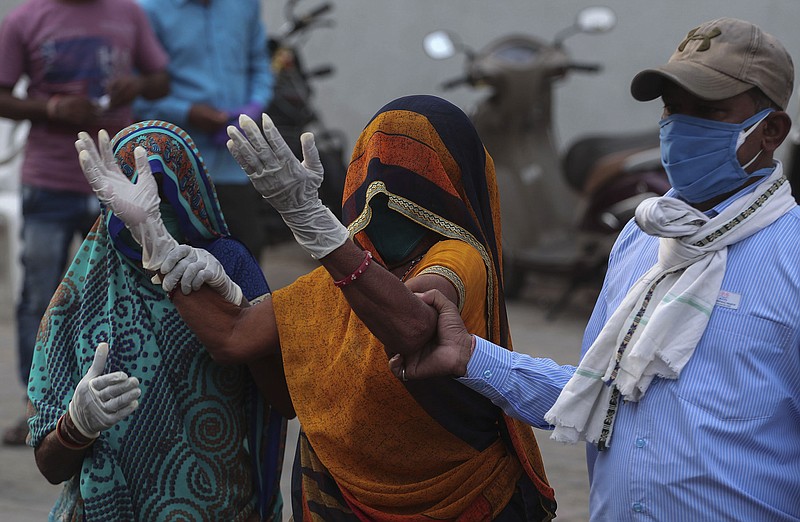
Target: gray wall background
{"type": "Point", "coordinates": [376, 47]}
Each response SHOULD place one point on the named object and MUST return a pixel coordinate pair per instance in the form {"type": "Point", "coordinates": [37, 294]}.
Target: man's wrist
{"type": "Point", "coordinates": [467, 349]}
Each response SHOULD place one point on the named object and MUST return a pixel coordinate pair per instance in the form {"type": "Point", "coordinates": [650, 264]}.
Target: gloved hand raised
{"type": "Point", "coordinates": [135, 204]}
{"type": "Point", "coordinates": [290, 186]}
{"type": "Point", "coordinates": [102, 400]}
{"type": "Point", "coordinates": [193, 267]}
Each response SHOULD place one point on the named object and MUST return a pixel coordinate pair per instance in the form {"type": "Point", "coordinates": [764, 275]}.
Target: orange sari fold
{"type": "Point", "coordinates": [373, 447]}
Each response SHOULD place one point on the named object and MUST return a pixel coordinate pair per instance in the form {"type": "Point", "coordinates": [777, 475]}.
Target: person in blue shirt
{"type": "Point", "coordinates": [688, 389]}
{"type": "Point", "coordinates": [219, 69]}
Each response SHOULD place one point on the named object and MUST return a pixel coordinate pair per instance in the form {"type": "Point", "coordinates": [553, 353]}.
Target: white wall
{"type": "Point", "coordinates": [376, 48]}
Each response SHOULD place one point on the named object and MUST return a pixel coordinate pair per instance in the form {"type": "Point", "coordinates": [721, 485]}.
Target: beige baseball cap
{"type": "Point", "coordinates": [720, 59]}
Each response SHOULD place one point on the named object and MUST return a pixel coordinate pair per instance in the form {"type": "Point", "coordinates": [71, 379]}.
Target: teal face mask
{"type": "Point", "coordinates": [394, 235]}
{"type": "Point", "coordinates": [170, 220]}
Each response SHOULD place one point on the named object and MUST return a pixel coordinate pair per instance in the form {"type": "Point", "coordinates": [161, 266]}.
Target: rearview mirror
{"type": "Point", "coordinates": [597, 19]}
{"type": "Point", "coordinates": [439, 45]}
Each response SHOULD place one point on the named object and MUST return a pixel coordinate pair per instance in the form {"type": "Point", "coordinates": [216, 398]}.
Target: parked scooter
{"type": "Point", "coordinates": [560, 216]}
{"type": "Point", "coordinates": [293, 112]}
{"type": "Point", "coordinates": [792, 162]}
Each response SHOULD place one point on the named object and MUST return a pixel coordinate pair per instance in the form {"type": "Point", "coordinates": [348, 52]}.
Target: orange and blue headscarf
{"type": "Point", "coordinates": [425, 154]}
{"type": "Point", "coordinates": [183, 182]}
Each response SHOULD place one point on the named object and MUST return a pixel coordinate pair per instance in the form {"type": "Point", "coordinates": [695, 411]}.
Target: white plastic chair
{"type": "Point", "coordinates": [12, 138]}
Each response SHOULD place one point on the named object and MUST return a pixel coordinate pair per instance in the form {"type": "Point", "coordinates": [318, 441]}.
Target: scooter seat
{"type": "Point", "coordinates": [586, 152]}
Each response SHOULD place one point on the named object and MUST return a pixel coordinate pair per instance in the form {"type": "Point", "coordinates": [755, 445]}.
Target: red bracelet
{"type": "Point", "coordinates": [358, 271]}
{"type": "Point", "coordinates": [71, 443]}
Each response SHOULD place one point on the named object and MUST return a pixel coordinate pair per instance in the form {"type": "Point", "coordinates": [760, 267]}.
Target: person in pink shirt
{"type": "Point", "coordinates": [85, 62]}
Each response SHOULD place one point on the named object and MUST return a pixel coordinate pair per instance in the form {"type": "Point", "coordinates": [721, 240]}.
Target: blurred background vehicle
{"type": "Point", "coordinates": [293, 111]}
{"type": "Point", "coordinates": [561, 214]}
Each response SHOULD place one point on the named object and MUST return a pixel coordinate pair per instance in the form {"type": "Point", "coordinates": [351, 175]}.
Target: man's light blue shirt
{"type": "Point", "coordinates": [218, 56]}
{"type": "Point", "coordinates": [722, 442]}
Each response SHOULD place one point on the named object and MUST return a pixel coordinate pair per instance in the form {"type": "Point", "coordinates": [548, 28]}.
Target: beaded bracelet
{"type": "Point", "coordinates": [69, 444]}
{"type": "Point", "coordinates": [357, 273]}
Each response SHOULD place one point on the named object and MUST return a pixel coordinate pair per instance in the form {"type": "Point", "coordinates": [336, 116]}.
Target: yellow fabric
{"type": "Point", "coordinates": [367, 430]}
{"type": "Point", "coordinates": [454, 258]}
{"type": "Point", "coordinates": [386, 454]}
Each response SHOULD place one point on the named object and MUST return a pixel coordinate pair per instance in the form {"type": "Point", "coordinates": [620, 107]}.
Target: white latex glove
{"type": "Point", "coordinates": [193, 267]}
{"type": "Point", "coordinates": [135, 204]}
{"type": "Point", "coordinates": [102, 400]}
{"type": "Point", "coordinates": [290, 186]}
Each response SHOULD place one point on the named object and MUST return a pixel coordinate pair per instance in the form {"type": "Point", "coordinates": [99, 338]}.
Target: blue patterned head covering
{"type": "Point", "coordinates": [180, 454]}
{"type": "Point", "coordinates": [184, 183]}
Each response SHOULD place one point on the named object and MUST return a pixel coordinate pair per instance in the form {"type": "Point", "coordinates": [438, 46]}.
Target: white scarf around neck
{"type": "Point", "coordinates": [655, 329]}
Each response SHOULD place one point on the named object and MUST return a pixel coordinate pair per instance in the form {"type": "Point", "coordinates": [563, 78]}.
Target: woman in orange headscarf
{"type": "Point", "coordinates": [422, 209]}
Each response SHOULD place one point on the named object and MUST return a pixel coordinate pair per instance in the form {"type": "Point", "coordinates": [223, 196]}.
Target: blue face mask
{"type": "Point", "coordinates": [699, 155]}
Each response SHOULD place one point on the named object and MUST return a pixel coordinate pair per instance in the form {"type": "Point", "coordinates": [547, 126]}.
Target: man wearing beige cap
{"type": "Point", "coordinates": [691, 358]}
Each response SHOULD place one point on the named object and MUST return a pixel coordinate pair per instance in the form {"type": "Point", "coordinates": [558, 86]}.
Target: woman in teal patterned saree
{"type": "Point", "coordinates": [202, 445]}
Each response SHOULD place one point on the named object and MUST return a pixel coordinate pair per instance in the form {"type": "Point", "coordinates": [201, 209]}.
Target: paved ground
{"type": "Point", "coordinates": [26, 497]}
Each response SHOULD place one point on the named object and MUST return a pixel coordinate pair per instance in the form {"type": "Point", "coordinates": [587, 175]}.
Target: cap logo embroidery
{"type": "Point", "coordinates": [706, 39]}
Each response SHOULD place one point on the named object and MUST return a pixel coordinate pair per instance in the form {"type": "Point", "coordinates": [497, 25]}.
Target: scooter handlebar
{"type": "Point", "coordinates": [585, 67]}
{"type": "Point", "coordinates": [304, 21]}
{"type": "Point", "coordinates": [320, 71]}
{"type": "Point", "coordinates": [455, 82]}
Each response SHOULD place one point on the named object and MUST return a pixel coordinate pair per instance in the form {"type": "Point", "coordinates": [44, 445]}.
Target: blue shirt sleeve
{"type": "Point", "coordinates": [523, 386]}
{"type": "Point", "coordinates": [261, 78]}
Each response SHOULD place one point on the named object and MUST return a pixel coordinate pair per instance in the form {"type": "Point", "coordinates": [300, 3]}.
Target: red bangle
{"type": "Point", "coordinates": [71, 443]}
{"type": "Point", "coordinates": [357, 272]}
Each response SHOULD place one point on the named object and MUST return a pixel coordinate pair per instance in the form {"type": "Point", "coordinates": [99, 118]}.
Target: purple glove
{"type": "Point", "coordinates": [252, 109]}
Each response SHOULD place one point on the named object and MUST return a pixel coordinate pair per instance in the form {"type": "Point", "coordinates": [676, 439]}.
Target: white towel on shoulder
{"type": "Point", "coordinates": [655, 329]}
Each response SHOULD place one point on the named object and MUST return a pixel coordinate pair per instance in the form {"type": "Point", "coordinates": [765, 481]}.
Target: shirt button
{"type": "Point", "coordinates": [487, 374]}
{"type": "Point", "coordinates": [640, 442]}
{"type": "Point", "coordinates": [638, 507]}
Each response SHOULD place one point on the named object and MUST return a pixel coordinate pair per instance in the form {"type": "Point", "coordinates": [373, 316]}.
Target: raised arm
{"type": "Point", "coordinates": [233, 334]}
{"type": "Point", "coordinates": [390, 310]}
{"type": "Point", "coordinates": [137, 206]}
